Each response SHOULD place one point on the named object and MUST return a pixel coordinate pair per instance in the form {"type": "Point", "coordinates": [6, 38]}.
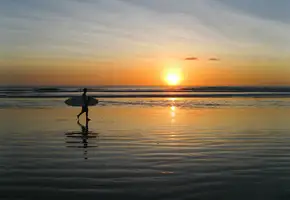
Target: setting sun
{"type": "Point", "coordinates": [173, 79]}
{"type": "Point", "coordinates": [173, 76]}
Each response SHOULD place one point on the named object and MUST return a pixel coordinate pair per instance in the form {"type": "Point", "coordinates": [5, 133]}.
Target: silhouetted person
{"type": "Point", "coordinates": [85, 108]}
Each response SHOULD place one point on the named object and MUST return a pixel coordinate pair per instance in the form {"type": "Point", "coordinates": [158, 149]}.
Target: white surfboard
{"type": "Point", "coordinates": [78, 101]}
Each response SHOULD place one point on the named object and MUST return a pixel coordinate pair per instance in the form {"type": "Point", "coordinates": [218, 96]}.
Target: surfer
{"type": "Point", "coordinates": [85, 108]}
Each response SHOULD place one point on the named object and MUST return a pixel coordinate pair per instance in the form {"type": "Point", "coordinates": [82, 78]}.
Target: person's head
{"type": "Point", "coordinates": [85, 90]}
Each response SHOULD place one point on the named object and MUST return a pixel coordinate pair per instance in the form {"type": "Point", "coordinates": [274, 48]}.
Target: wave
{"type": "Point", "coordinates": [146, 92]}
{"type": "Point", "coordinates": [122, 89]}
{"type": "Point", "coordinates": [157, 95]}
{"type": "Point", "coordinates": [189, 103]}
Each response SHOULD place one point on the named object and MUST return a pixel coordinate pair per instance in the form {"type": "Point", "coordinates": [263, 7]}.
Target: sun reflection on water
{"type": "Point", "coordinates": [172, 109]}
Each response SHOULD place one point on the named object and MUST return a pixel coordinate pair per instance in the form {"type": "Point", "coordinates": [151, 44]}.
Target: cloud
{"type": "Point", "coordinates": [214, 59]}
{"type": "Point", "coordinates": [191, 58]}
{"type": "Point", "coordinates": [101, 29]}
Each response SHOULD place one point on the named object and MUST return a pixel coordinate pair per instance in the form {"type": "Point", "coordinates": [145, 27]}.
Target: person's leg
{"type": "Point", "coordinates": [80, 114]}
{"type": "Point", "coordinates": [87, 115]}
{"type": "Point", "coordinates": [82, 111]}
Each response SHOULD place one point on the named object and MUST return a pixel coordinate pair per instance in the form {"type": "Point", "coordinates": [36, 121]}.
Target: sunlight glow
{"type": "Point", "coordinates": [173, 76]}
{"type": "Point", "coordinates": [172, 79]}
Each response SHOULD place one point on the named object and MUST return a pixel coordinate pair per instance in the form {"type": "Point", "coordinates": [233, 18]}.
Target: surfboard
{"type": "Point", "coordinates": [81, 136]}
{"type": "Point", "coordinates": [78, 101]}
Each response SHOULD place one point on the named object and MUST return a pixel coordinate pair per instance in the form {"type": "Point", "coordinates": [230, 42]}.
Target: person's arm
{"type": "Point", "coordinates": [85, 99]}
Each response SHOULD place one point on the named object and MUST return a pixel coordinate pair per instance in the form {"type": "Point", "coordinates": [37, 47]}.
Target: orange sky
{"type": "Point", "coordinates": [138, 42]}
{"type": "Point", "coordinates": [195, 73]}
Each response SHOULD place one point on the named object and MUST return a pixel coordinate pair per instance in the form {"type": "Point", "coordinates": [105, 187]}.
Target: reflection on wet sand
{"type": "Point", "coordinates": [84, 136]}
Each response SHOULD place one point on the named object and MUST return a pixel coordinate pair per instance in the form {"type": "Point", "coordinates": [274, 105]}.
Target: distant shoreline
{"type": "Point", "coordinates": [279, 89]}
{"type": "Point", "coordinates": [206, 95]}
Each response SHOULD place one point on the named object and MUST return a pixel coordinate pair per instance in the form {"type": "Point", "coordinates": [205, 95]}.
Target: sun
{"type": "Point", "coordinates": [173, 76]}
{"type": "Point", "coordinates": [173, 79]}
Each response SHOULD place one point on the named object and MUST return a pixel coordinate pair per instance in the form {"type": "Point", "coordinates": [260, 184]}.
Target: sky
{"type": "Point", "coordinates": [135, 42]}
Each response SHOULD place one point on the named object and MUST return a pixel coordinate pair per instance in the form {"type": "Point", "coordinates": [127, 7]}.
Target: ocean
{"type": "Point", "coordinates": [146, 143]}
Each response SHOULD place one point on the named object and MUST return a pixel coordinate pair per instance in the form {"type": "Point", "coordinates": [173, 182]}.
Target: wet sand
{"type": "Point", "coordinates": [145, 153]}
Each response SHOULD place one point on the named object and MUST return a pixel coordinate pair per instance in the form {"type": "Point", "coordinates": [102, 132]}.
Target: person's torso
{"type": "Point", "coordinates": [85, 100]}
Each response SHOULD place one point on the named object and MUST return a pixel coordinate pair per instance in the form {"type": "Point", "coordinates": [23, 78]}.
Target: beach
{"type": "Point", "coordinates": [180, 100]}
{"type": "Point", "coordinates": [146, 149]}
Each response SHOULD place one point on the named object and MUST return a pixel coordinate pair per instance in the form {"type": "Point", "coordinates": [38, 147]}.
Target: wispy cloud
{"type": "Point", "coordinates": [111, 28]}
{"type": "Point", "coordinates": [214, 59]}
{"type": "Point", "coordinates": [191, 58]}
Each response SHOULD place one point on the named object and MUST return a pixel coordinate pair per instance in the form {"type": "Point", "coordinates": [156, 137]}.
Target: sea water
{"type": "Point", "coordinates": [144, 148]}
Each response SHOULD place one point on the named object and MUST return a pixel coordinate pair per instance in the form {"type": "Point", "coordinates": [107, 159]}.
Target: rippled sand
{"type": "Point", "coordinates": [145, 153]}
